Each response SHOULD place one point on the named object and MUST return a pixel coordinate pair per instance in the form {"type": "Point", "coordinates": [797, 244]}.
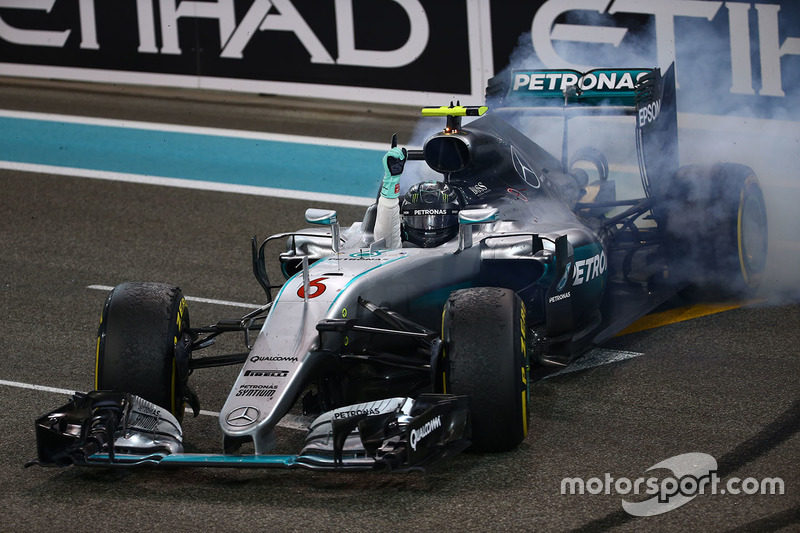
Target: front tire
{"type": "Point", "coordinates": [143, 344]}
{"type": "Point", "coordinates": [485, 358]}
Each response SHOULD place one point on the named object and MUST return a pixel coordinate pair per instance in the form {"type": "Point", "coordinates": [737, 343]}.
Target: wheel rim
{"type": "Point", "coordinates": [752, 237]}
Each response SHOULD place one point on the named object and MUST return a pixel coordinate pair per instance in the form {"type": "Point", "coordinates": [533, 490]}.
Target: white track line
{"type": "Point", "coordinates": [67, 392]}
{"type": "Point", "coordinates": [30, 386]}
{"type": "Point", "coordinates": [194, 130]}
{"type": "Point", "coordinates": [596, 357]}
{"type": "Point", "coordinates": [191, 298]}
{"type": "Point", "coordinates": [289, 421]}
{"type": "Point", "coordinates": [252, 190]}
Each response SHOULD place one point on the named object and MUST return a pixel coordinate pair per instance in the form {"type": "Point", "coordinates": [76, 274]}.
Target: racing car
{"type": "Point", "coordinates": [404, 356]}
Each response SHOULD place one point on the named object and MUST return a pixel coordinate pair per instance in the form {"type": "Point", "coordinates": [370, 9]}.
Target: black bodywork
{"type": "Point", "coordinates": [492, 164]}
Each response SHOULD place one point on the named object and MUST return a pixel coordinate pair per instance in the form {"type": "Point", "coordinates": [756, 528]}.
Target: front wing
{"type": "Point", "coordinates": [116, 429]}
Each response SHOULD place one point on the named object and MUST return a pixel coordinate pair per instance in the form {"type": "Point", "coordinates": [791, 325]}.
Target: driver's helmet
{"type": "Point", "coordinates": [430, 214]}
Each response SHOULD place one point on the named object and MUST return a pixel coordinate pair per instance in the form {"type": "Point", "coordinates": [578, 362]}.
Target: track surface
{"type": "Point", "coordinates": [724, 384]}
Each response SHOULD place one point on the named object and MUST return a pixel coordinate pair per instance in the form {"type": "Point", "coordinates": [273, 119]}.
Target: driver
{"type": "Point", "coordinates": [430, 214]}
{"type": "Point", "coordinates": [429, 209]}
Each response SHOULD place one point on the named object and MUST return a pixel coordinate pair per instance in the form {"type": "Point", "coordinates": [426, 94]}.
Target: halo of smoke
{"type": "Point", "coordinates": [729, 128]}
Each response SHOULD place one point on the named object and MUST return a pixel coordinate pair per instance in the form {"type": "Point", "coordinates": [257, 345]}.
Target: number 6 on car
{"type": "Point", "coordinates": [316, 288]}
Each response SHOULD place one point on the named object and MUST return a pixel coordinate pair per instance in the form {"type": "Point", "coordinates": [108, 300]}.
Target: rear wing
{"type": "Point", "coordinates": [643, 93]}
{"type": "Point", "coordinates": [565, 88]}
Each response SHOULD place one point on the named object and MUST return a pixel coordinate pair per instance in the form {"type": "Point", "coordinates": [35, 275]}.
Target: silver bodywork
{"type": "Point", "coordinates": [358, 329]}
{"type": "Point", "coordinates": [285, 354]}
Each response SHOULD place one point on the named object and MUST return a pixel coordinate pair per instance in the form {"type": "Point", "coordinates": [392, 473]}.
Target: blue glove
{"type": "Point", "coordinates": [393, 163]}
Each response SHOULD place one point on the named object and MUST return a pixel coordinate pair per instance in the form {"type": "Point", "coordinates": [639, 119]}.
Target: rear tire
{"type": "Point", "coordinates": [485, 358]}
{"type": "Point", "coordinates": [143, 344]}
{"type": "Point", "coordinates": [716, 225]}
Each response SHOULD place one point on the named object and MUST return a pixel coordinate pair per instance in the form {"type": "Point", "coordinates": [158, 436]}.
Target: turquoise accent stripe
{"type": "Point", "coordinates": [357, 276]}
{"type": "Point", "coordinates": [213, 158]}
{"type": "Point", "coordinates": [231, 460]}
{"type": "Point", "coordinates": [195, 459]}
{"type": "Point", "coordinates": [328, 260]}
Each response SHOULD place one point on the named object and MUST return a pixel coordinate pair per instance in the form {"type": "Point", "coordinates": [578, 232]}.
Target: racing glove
{"type": "Point", "coordinates": [393, 162]}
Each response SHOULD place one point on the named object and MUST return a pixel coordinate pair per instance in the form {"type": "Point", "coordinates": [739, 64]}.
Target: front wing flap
{"type": "Point", "coordinates": [115, 429]}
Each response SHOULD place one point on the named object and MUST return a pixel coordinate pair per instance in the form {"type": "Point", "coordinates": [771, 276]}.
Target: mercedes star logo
{"type": "Point", "coordinates": [242, 416]}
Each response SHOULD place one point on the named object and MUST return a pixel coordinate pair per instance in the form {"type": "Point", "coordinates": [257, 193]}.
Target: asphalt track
{"type": "Point", "coordinates": [724, 384]}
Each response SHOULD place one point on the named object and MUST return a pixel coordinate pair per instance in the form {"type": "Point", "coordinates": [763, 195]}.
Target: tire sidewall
{"type": "Point", "coordinates": [485, 357]}
{"type": "Point", "coordinates": [140, 330]}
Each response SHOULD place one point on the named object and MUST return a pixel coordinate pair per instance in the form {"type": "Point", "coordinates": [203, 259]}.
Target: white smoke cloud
{"type": "Point", "coordinates": [715, 124]}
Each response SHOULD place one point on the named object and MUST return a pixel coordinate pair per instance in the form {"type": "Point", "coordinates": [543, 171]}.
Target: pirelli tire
{"type": "Point", "coordinates": [143, 344]}
{"type": "Point", "coordinates": [484, 356]}
{"type": "Point", "coordinates": [715, 220]}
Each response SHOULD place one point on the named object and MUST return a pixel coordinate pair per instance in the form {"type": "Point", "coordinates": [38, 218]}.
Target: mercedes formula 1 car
{"type": "Point", "coordinates": [405, 356]}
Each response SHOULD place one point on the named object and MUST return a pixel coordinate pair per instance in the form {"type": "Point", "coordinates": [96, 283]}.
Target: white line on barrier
{"type": "Point", "coordinates": [191, 298]}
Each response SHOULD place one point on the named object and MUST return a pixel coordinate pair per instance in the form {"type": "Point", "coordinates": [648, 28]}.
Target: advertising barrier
{"type": "Point", "coordinates": [731, 57]}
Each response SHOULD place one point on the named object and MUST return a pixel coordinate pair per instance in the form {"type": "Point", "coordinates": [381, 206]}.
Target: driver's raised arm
{"type": "Point", "coordinates": [387, 221]}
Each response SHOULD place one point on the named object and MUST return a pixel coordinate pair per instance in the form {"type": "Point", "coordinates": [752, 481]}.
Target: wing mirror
{"type": "Point", "coordinates": [468, 218]}
{"type": "Point", "coordinates": [325, 217]}
{"type": "Point", "coordinates": [321, 217]}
